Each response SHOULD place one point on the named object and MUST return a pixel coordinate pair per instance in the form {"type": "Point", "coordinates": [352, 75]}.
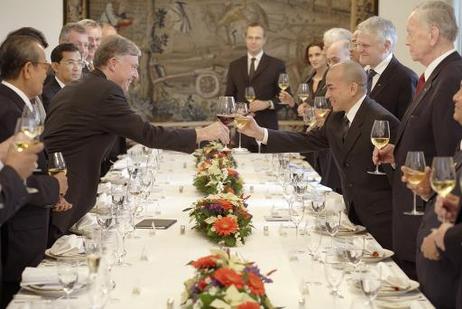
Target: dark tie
{"type": "Point", "coordinates": [252, 68]}
{"type": "Point", "coordinates": [370, 75]}
{"type": "Point", "coordinates": [345, 127]}
{"type": "Point", "coordinates": [420, 85]}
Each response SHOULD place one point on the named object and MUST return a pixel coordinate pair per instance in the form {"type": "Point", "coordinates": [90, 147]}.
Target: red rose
{"type": "Point", "coordinates": [249, 305]}
{"type": "Point", "coordinates": [228, 277]}
{"type": "Point", "coordinates": [256, 284]}
{"type": "Point", "coordinates": [205, 262]}
{"type": "Point", "coordinates": [225, 226]}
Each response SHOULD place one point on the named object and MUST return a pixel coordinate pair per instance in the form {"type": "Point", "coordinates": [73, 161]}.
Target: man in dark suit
{"type": "Point", "coordinates": [428, 124]}
{"type": "Point", "coordinates": [346, 133]}
{"type": "Point", "coordinates": [76, 34]}
{"type": "Point", "coordinates": [389, 82]}
{"type": "Point", "coordinates": [24, 235]}
{"type": "Point", "coordinates": [66, 62]}
{"type": "Point", "coordinates": [85, 119]}
{"type": "Point", "coordinates": [261, 71]}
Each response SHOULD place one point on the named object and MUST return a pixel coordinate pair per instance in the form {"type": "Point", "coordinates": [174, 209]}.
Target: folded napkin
{"type": "Point", "coordinates": [392, 278]}
{"type": "Point", "coordinates": [67, 245]}
{"type": "Point", "coordinates": [373, 248]}
{"type": "Point", "coordinates": [334, 202]}
{"type": "Point", "coordinates": [121, 164]}
{"type": "Point", "coordinates": [86, 223]}
{"type": "Point", "coordinates": [104, 188]}
{"type": "Point", "coordinates": [49, 276]}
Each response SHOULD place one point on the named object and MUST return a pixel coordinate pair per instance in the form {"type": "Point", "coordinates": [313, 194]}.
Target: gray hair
{"type": "Point", "coordinates": [381, 28]}
{"type": "Point", "coordinates": [441, 15]}
{"type": "Point", "coordinates": [352, 72]}
{"type": "Point", "coordinates": [89, 23]}
{"type": "Point", "coordinates": [113, 46]}
{"type": "Point", "coordinates": [68, 28]}
{"type": "Point", "coordinates": [335, 34]}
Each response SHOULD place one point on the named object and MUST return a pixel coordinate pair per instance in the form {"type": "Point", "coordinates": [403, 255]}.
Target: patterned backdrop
{"type": "Point", "coordinates": [188, 44]}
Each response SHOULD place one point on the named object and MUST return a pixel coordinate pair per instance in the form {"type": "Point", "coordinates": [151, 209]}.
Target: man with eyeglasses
{"type": "Point", "coordinates": [66, 62]}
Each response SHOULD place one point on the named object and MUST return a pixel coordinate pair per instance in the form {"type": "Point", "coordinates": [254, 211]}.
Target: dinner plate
{"type": "Point", "coordinates": [51, 290]}
{"type": "Point", "coordinates": [343, 230]}
{"type": "Point", "coordinates": [387, 291]}
{"type": "Point", "coordinates": [81, 256]}
{"type": "Point", "coordinates": [380, 256]}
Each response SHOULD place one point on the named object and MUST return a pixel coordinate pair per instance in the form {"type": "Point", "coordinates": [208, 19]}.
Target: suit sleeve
{"type": "Point", "coordinates": [231, 89]}
{"type": "Point", "coordinates": [284, 141]}
{"type": "Point", "coordinates": [116, 117]}
{"type": "Point", "coordinates": [48, 188]}
{"type": "Point", "coordinates": [446, 131]}
{"type": "Point", "coordinates": [406, 93]}
{"type": "Point", "coordinates": [13, 194]}
{"type": "Point", "coordinates": [453, 244]}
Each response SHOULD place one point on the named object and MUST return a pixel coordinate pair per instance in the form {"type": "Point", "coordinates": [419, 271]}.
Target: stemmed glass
{"type": "Point", "coordinates": [309, 118]}
{"type": "Point", "coordinates": [250, 94]}
{"type": "Point", "coordinates": [354, 251]}
{"type": "Point", "coordinates": [26, 133]}
{"type": "Point", "coordinates": [56, 164]}
{"type": "Point", "coordinates": [321, 107]}
{"type": "Point", "coordinates": [226, 111]}
{"type": "Point", "coordinates": [303, 92]}
{"type": "Point", "coordinates": [333, 220]}
{"type": "Point", "coordinates": [443, 175]}
{"type": "Point", "coordinates": [318, 204]}
{"type": "Point", "coordinates": [283, 81]}
{"type": "Point", "coordinates": [104, 217]}
{"type": "Point", "coordinates": [118, 193]}
{"type": "Point", "coordinates": [68, 276]}
{"type": "Point", "coordinates": [241, 121]}
{"type": "Point", "coordinates": [380, 136]}
{"type": "Point", "coordinates": [296, 212]}
{"type": "Point", "coordinates": [371, 281]}
{"type": "Point", "coordinates": [334, 275]}
{"type": "Point", "coordinates": [415, 161]}
{"type": "Point", "coordinates": [124, 227]}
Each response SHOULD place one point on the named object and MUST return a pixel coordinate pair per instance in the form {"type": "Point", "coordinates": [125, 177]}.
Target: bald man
{"type": "Point", "coordinates": [346, 132]}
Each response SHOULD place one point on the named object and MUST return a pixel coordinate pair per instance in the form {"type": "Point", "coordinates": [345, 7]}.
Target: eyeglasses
{"type": "Point", "coordinates": [43, 64]}
{"type": "Point", "coordinates": [73, 63]}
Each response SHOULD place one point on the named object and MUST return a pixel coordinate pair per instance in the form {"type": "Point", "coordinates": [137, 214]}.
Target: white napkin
{"type": "Point", "coordinates": [373, 246]}
{"type": "Point", "coordinates": [68, 245]}
{"type": "Point", "coordinates": [334, 202]}
{"type": "Point", "coordinates": [48, 276]}
{"type": "Point", "coordinates": [104, 188]}
{"type": "Point", "coordinates": [392, 278]}
{"type": "Point", "coordinates": [120, 164]}
{"type": "Point", "coordinates": [86, 223]}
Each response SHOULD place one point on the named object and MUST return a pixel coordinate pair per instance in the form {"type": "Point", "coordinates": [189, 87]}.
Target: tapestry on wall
{"type": "Point", "coordinates": [187, 45]}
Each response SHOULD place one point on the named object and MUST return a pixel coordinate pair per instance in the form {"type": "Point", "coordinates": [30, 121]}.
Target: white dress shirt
{"type": "Point", "coordinates": [20, 93]}
{"type": "Point", "coordinates": [379, 68]}
{"type": "Point", "coordinates": [432, 66]}
{"type": "Point", "coordinates": [257, 60]}
{"type": "Point", "coordinates": [60, 83]}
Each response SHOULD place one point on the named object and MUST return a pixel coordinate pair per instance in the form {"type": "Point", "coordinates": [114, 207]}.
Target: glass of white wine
{"type": "Point", "coordinates": [380, 137]}
{"type": "Point", "coordinates": [303, 92]}
{"type": "Point", "coordinates": [283, 81]}
{"type": "Point", "coordinates": [321, 107]}
{"type": "Point", "coordinates": [56, 164]}
{"type": "Point", "coordinates": [26, 134]}
{"type": "Point", "coordinates": [443, 175]}
{"type": "Point", "coordinates": [415, 161]}
{"type": "Point", "coordinates": [240, 121]}
{"type": "Point", "coordinates": [250, 94]}
{"type": "Point", "coordinates": [309, 118]}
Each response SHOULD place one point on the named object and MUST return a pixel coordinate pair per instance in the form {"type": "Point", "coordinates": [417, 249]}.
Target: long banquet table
{"type": "Point", "coordinates": [150, 283]}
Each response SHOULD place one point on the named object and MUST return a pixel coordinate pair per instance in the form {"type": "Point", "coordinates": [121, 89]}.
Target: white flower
{"type": "Point", "coordinates": [210, 220]}
{"type": "Point", "coordinates": [219, 304]}
{"type": "Point", "coordinates": [235, 298]}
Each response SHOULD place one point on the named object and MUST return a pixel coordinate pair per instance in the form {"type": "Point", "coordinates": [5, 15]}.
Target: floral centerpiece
{"type": "Point", "coordinates": [226, 281]}
{"type": "Point", "coordinates": [223, 218]}
{"type": "Point", "coordinates": [216, 176]}
{"type": "Point", "coordinates": [214, 150]}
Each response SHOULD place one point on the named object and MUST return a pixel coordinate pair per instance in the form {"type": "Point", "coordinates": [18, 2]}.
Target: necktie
{"type": "Point", "coordinates": [420, 85]}
{"type": "Point", "coordinates": [345, 127]}
{"type": "Point", "coordinates": [252, 68]}
{"type": "Point", "coordinates": [370, 75]}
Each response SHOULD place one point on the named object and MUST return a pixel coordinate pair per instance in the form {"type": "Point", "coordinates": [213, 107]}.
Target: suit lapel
{"type": "Point", "coordinates": [245, 72]}
{"type": "Point", "coordinates": [416, 101]}
{"type": "Point", "coordinates": [13, 96]}
{"type": "Point", "coordinates": [355, 129]}
{"type": "Point", "coordinates": [384, 78]}
{"type": "Point", "coordinates": [261, 66]}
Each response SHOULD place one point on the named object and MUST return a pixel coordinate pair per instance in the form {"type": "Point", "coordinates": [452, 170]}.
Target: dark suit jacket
{"type": "Point", "coordinates": [427, 126]}
{"type": "Point", "coordinates": [50, 89]}
{"type": "Point", "coordinates": [367, 197]}
{"type": "Point", "coordinates": [84, 120]}
{"type": "Point", "coordinates": [395, 88]}
{"type": "Point", "coordinates": [439, 279]}
{"type": "Point", "coordinates": [264, 82]}
{"type": "Point", "coordinates": [24, 235]}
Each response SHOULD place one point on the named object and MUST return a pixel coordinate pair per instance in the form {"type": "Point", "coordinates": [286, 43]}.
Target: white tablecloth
{"type": "Point", "coordinates": [162, 276]}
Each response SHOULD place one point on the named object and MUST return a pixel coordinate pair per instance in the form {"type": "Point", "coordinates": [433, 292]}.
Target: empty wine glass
{"type": "Point", "coordinates": [309, 118]}
{"type": "Point", "coordinates": [380, 136]}
{"type": "Point", "coordinates": [68, 276]}
{"type": "Point", "coordinates": [353, 251]}
{"type": "Point", "coordinates": [371, 282]}
{"type": "Point", "coordinates": [333, 220]}
{"type": "Point", "coordinates": [415, 161]}
{"type": "Point", "coordinates": [124, 227]}
{"type": "Point", "coordinates": [333, 272]}
{"type": "Point", "coordinates": [318, 204]}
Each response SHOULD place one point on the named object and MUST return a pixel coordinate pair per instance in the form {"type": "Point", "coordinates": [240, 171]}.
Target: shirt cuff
{"type": "Point", "coordinates": [1, 165]}
{"type": "Point", "coordinates": [264, 141]}
{"type": "Point", "coordinates": [271, 104]}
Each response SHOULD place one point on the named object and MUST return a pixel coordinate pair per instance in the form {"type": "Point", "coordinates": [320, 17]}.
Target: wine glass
{"type": "Point", "coordinates": [124, 227]}
{"type": "Point", "coordinates": [250, 94]}
{"type": "Point", "coordinates": [303, 92]}
{"type": "Point", "coordinates": [226, 109]}
{"type": "Point", "coordinates": [318, 204]}
{"type": "Point", "coordinates": [68, 276]}
{"type": "Point", "coordinates": [56, 164]}
{"type": "Point", "coordinates": [333, 220]}
{"type": "Point", "coordinates": [241, 121]}
{"type": "Point", "coordinates": [309, 118]}
{"type": "Point", "coordinates": [321, 107]}
{"type": "Point", "coordinates": [118, 193]}
{"type": "Point", "coordinates": [296, 212]}
{"type": "Point", "coordinates": [415, 161]}
{"type": "Point", "coordinates": [333, 273]}
{"type": "Point", "coordinates": [371, 281]}
{"type": "Point", "coordinates": [104, 217]}
{"type": "Point", "coordinates": [354, 251]}
{"type": "Point", "coordinates": [283, 81]}
{"type": "Point", "coordinates": [380, 136]}
{"type": "Point", "coordinates": [443, 176]}
{"type": "Point", "coordinates": [93, 251]}
{"type": "Point", "coordinates": [25, 134]}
